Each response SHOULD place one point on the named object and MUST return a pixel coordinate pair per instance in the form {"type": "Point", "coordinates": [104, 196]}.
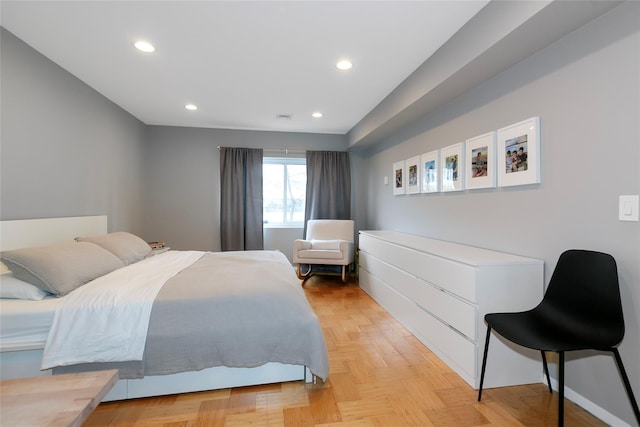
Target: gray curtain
{"type": "Point", "coordinates": [241, 199]}
{"type": "Point", "coordinates": [328, 186]}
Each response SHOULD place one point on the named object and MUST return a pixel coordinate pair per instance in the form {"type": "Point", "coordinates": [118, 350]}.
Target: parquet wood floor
{"type": "Point", "coordinates": [381, 376]}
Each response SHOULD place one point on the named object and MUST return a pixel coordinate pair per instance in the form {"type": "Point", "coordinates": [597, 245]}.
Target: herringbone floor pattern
{"type": "Point", "coordinates": [380, 376]}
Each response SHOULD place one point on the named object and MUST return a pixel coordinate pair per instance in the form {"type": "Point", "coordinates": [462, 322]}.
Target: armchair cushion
{"type": "Point", "coordinates": [333, 245]}
{"type": "Point", "coordinates": [319, 256]}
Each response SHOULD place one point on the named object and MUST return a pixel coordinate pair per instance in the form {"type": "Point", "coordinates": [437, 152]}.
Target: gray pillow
{"type": "Point", "coordinates": [126, 246]}
{"type": "Point", "coordinates": [61, 268]}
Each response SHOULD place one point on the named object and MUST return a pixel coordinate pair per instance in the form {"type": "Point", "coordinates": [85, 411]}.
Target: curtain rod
{"type": "Point", "coordinates": [281, 150]}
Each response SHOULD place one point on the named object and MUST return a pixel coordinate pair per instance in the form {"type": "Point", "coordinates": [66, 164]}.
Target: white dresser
{"type": "Point", "coordinates": [440, 291]}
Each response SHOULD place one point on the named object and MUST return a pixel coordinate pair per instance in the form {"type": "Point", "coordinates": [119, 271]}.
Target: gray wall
{"type": "Point", "coordinates": [65, 149]}
{"type": "Point", "coordinates": [586, 90]}
{"type": "Point", "coordinates": [182, 182]}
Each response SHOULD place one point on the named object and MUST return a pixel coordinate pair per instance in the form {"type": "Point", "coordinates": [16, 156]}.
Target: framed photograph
{"type": "Point", "coordinates": [413, 175]}
{"type": "Point", "coordinates": [480, 153]}
{"type": "Point", "coordinates": [452, 167]}
{"type": "Point", "coordinates": [429, 170]}
{"type": "Point", "coordinates": [518, 151]}
{"type": "Point", "coordinates": [398, 178]}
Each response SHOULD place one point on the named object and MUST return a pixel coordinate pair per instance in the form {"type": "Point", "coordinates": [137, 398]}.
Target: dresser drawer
{"type": "Point", "coordinates": [454, 277]}
{"type": "Point", "coordinates": [455, 312]}
{"type": "Point", "coordinates": [450, 346]}
{"type": "Point", "coordinates": [453, 348]}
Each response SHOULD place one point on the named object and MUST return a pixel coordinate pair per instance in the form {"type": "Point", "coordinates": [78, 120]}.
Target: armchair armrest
{"type": "Point", "coordinates": [300, 245]}
{"type": "Point", "coordinates": [347, 248]}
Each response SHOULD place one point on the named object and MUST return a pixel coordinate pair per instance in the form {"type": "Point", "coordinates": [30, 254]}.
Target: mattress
{"type": "Point", "coordinates": [234, 309]}
{"type": "Point", "coordinates": [25, 322]}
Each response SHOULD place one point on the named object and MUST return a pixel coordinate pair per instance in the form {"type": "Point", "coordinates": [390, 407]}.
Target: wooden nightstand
{"type": "Point", "coordinates": [56, 400]}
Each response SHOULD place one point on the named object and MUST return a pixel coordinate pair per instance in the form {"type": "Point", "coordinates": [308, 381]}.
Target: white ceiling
{"type": "Point", "coordinates": [242, 62]}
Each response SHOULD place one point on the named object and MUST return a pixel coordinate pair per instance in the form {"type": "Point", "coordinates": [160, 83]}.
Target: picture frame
{"type": "Point", "coordinates": [430, 171]}
{"type": "Point", "coordinates": [480, 153]}
{"type": "Point", "coordinates": [399, 178]}
{"type": "Point", "coordinates": [413, 175]}
{"type": "Point", "coordinates": [523, 167]}
{"type": "Point", "coordinates": [452, 168]}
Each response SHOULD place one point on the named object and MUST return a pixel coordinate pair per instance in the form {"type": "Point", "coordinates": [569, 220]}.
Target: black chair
{"type": "Point", "coordinates": [581, 310]}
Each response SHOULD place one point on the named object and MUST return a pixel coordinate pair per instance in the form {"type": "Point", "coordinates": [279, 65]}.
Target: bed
{"type": "Point", "coordinates": [184, 320]}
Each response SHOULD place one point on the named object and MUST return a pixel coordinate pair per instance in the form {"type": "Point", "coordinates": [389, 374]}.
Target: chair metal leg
{"type": "Point", "coordinates": [627, 384]}
{"type": "Point", "coordinates": [561, 389]}
{"type": "Point", "coordinates": [484, 361]}
{"type": "Point", "coordinates": [546, 369]}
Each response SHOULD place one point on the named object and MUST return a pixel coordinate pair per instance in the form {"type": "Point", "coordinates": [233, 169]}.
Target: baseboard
{"type": "Point", "coordinates": [589, 406]}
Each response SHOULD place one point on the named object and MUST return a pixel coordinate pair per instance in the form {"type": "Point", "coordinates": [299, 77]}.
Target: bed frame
{"type": "Point", "coordinates": [20, 361]}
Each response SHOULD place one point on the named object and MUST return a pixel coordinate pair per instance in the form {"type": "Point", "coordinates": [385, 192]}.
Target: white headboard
{"type": "Point", "coordinates": [49, 231]}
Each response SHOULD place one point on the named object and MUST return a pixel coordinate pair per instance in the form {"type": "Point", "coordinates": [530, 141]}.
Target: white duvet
{"type": "Point", "coordinates": [107, 319]}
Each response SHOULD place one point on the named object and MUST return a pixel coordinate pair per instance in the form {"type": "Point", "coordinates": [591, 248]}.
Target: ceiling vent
{"type": "Point", "coordinates": [284, 116]}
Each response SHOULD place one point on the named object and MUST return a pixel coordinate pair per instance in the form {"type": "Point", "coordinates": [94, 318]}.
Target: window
{"type": "Point", "coordinates": [284, 187]}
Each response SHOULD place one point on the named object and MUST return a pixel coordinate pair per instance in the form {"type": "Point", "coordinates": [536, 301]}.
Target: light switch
{"type": "Point", "coordinates": [628, 208]}
{"type": "Point", "coordinates": [386, 180]}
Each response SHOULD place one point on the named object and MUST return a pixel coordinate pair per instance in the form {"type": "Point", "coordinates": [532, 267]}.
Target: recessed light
{"type": "Point", "coordinates": [317, 115]}
{"type": "Point", "coordinates": [191, 107]}
{"type": "Point", "coordinates": [144, 46]}
{"type": "Point", "coordinates": [344, 64]}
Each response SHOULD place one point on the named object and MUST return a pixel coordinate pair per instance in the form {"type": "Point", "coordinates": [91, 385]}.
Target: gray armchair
{"type": "Point", "coordinates": [328, 242]}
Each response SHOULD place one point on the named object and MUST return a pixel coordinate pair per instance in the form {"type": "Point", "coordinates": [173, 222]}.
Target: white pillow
{"type": "Point", "coordinates": [13, 288]}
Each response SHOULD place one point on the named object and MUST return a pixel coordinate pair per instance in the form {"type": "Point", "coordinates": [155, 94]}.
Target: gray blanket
{"type": "Point", "coordinates": [234, 309]}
